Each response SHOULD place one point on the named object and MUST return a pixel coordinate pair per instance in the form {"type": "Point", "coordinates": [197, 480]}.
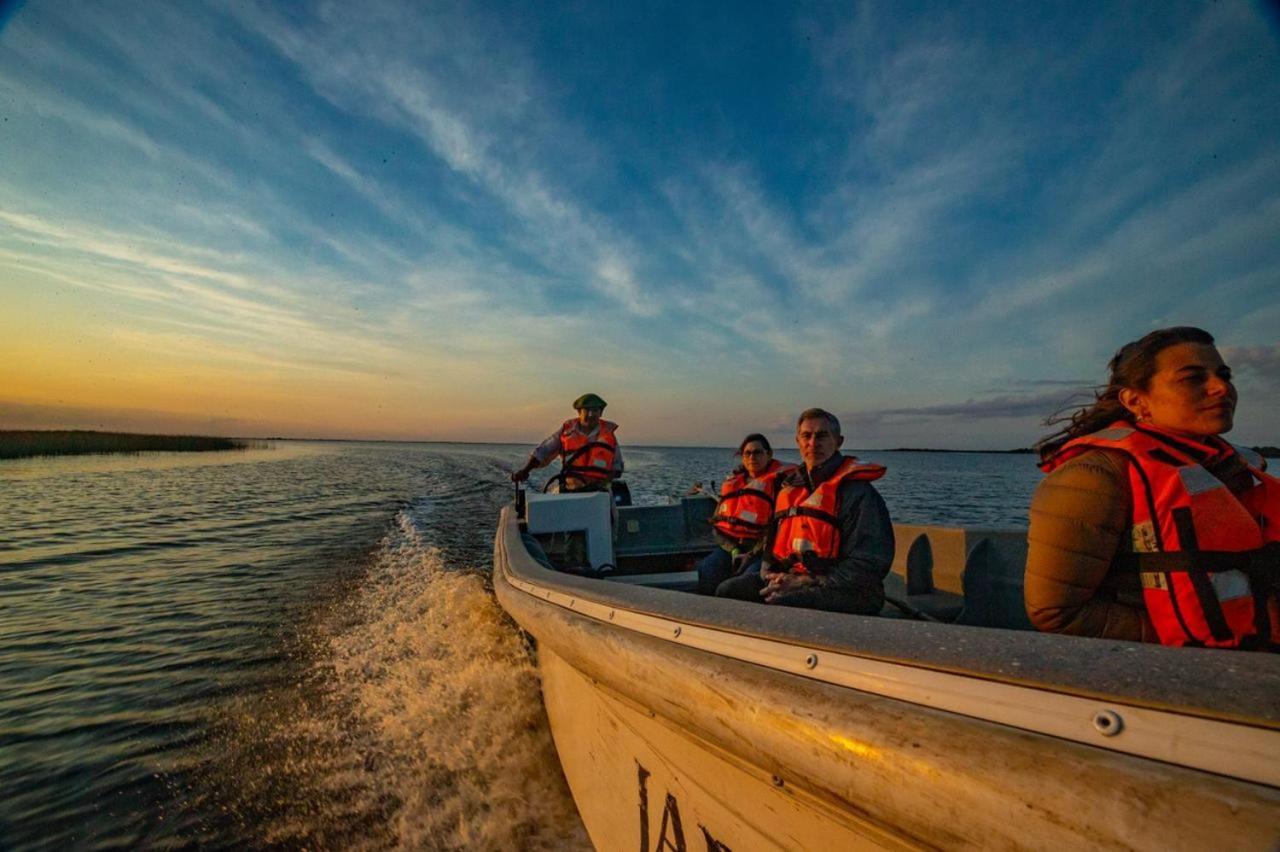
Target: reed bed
{"type": "Point", "coordinates": [16, 444]}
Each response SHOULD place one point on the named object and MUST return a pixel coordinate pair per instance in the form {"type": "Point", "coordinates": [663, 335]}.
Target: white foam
{"type": "Point", "coordinates": [421, 724]}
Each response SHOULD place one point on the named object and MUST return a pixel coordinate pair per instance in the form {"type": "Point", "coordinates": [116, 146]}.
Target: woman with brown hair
{"type": "Point", "coordinates": [743, 512]}
{"type": "Point", "coordinates": [1149, 525]}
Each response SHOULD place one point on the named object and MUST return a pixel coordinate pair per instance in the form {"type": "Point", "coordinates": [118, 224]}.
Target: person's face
{"type": "Point", "coordinates": [1190, 392]}
{"type": "Point", "coordinates": [816, 441]}
{"type": "Point", "coordinates": [589, 417]}
{"type": "Point", "coordinates": [755, 458]}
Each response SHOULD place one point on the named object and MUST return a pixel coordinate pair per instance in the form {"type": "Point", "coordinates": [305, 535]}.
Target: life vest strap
{"type": "Point", "coordinates": [584, 449]}
{"type": "Point", "coordinates": [811, 562]}
{"type": "Point", "coordinates": [744, 492]}
{"type": "Point", "coordinates": [1264, 560]}
{"type": "Point", "coordinates": [737, 522]}
{"type": "Point", "coordinates": [808, 512]}
{"type": "Point", "coordinates": [584, 468]}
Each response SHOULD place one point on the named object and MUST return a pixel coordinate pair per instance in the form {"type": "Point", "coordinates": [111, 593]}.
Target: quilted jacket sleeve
{"type": "Point", "coordinates": [1078, 517]}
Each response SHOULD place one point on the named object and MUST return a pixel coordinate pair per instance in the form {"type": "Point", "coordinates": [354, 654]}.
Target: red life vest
{"type": "Point", "coordinates": [807, 522]}
{"type": "Point", "coordinates": [1207, 559]}
{"type": "Point", "coordinates": [585, 457]}
{"type": "Point", "coordinates": [746, 504]}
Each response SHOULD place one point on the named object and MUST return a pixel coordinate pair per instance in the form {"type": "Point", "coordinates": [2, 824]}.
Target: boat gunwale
{"type": "Point", "coordinates": [1139, 675]}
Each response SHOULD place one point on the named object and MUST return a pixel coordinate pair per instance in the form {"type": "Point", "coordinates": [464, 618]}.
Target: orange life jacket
{"type": "Point", "coordinates": [746, 504]}
{"type": "Point", "coordinates": [1207, 559]}
{"type": "Point", "coordinates": [586, 458]}
{"type": "Point", "coordinates": [806, 537]}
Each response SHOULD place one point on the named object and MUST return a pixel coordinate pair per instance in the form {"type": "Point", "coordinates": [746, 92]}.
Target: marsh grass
{"type": "Point", "coordinates": [21, 444]}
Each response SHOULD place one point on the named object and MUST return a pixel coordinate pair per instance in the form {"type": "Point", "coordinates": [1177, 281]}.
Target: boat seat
{"type": "Point", "coordinates": [535, 549]}
{"type": "Point", "coordinates": [678, 581]}
{"type": "Point", "coordinates": [993, 579]}
{"type": "Point", "coordinates": [937, 604]}
{"type": "Point", "coordinates": [967, 575]}
{"type": "Point", "coordinates": [651, 530]}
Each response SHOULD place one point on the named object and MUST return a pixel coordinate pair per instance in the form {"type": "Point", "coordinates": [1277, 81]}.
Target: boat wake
{"type": "Point", "coordinates": [413, 720]}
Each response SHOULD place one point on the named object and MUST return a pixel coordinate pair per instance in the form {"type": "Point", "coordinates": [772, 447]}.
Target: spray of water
{"type": "Point", "coordinates": [416, 723]}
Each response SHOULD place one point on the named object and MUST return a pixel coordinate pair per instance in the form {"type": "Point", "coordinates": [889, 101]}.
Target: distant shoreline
{"type": "Point", "coordinates": [19, 444]}
{"type": "Point", "coordinates": [1019, 451]}
{"type": "Point", "coordinates": [28, 443]}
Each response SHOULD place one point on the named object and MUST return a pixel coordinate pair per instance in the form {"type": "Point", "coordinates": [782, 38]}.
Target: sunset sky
{"type": "Point", "coordinates": [444, 222]}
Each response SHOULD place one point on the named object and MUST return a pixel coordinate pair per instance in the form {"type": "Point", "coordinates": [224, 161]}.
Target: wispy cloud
{"type": "Point", "coordinates": [360, 73]}
{"type": "Point", "coordinates": [107, 245]}
{"type": "Point", "coordinates": [998, 407]}
{"type": "Point", "coordinates": [1259, 362]}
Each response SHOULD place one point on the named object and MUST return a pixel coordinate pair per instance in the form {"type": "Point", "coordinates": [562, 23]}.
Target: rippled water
{"type": "Point", "coordinates": [297, 646]}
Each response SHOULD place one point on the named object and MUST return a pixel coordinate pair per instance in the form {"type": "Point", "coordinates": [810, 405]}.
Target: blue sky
{"type": "Point", "coordinates": [446, 222]}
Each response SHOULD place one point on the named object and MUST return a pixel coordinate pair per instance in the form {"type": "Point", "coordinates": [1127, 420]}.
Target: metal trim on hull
{"type": "Point", "coordinates": [1234, 750]}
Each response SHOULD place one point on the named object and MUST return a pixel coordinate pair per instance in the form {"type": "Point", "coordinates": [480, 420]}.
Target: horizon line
{"type": "Point", "coordinates": [504, 443]}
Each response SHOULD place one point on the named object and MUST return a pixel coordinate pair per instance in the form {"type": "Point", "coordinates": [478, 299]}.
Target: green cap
{"type": "Point", "coordinates": [588, 400]}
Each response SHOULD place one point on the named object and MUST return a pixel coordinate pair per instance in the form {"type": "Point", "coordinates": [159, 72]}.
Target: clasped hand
{"type": "Point", "coordinates": [779, 583]}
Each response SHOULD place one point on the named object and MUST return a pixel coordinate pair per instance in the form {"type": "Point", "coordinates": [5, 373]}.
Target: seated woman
{"type": "Point", "coordinates": [743, 513]}
{"type": "Point", "coordinates": [1149, 526]}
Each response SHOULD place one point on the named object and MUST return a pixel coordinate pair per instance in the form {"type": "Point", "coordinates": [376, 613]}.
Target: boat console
{"type": "Point", "coordinates": [585, 515]}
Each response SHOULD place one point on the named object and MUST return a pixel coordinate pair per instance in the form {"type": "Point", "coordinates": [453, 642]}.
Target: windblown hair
{"type": "Point", "coordinates": [819, 413]}
{"type": "Point", "coordinates": [1132, 367]}
{"type": "Point", "coordinates": [757, 437]}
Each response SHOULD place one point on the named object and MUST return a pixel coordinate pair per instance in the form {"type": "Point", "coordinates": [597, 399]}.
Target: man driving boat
{"type": "Point", "coordinates": [587, 447]}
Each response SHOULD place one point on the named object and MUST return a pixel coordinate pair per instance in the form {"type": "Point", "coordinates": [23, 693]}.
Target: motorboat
{"type": "Point", "coordinates": [688, 722]}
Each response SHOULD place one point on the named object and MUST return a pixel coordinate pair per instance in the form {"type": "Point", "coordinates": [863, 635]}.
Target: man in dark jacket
{"type": "Point", "coordinates": [846, 569]}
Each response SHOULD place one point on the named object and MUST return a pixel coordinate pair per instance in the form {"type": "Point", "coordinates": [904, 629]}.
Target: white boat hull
{"type": "Point", "coordinates": [689, 737]}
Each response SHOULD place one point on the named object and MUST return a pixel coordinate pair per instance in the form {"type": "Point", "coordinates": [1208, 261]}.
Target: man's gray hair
{"type": "Point", "coordinates": [819, 414]}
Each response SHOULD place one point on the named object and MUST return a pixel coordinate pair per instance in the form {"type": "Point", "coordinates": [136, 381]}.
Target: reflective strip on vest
{"type": "Point", "coordinates": [1197, 480]}
{"type": "Point", "coordinates": [1228, 585]}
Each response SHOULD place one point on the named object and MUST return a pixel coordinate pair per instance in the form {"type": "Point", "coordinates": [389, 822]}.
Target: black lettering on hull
{"type": "Point", "coordinates": [713, 845]}
{"type": "Point", "coordinates": [643, 775]}
{"type": "Point", "coordinates": [676, 842]}
{"type": "Point", "coordinates": [671, 833]}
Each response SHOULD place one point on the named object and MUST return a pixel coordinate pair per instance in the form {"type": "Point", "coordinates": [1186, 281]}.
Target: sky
{"type": "Point", "coordinates": [447, 221]}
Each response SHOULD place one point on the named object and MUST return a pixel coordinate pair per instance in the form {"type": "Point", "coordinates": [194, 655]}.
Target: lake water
{"type": "Point", "coordinates": [298, 646]}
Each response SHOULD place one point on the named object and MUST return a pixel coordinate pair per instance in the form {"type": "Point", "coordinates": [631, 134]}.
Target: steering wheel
{"type": "Point", "coordinates": [559, 477]}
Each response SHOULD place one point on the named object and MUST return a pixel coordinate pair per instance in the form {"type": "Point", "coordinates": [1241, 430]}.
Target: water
{"type": "Point", "coordinates": [298, 646]}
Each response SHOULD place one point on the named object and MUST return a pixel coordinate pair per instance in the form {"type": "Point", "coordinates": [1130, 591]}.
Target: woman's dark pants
{"type": "Point", "coordinates": [713, 570]}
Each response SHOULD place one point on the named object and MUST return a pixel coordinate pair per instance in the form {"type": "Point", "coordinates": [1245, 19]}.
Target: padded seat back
{"type": "Point", "coordinates": [993, 579]}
